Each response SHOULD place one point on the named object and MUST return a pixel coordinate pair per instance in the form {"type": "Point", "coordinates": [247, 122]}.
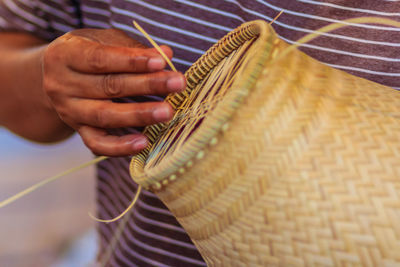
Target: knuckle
{"type": "Point", "coordinates": [115, 31]}
{"type": "Point", "coordinates": [63, 113]}
{"type": "Point", "coordinates": [111, 85]}
{"type": "Point", "coordinates": [47, 83]}
{"type": "Point", "coordinates": [95, 58]}
{"type": "Point", "coordinates": [143, 117]}
{"type": "Point", "coordinates": [55, 49]}
{"type": "Point", "coordinates": [147, 85]}
{"type": "Point", "coordinates": [137, 61]}
{"type": "Point", "coordinates": [157, 83]}
{"type": "Point", "coordinates": [50, 56]}
{"type": "Point", "coordinates": [50, 81]}
{"type": "Point", "coordinates": [50, 86]}
{"type": "Point", "coordinates": [161, 83]}
{"type": "Point", "coordinates": [101, 118]}
{"type": "Point", "coordinates": [67, 36]}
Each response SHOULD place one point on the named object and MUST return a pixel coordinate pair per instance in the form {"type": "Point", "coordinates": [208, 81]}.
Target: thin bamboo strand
{"type": "Point", "coordinates": [276, 17]}
{"type": "Point", "coordinates": [49, 180]}
{"type": "Point", "coordinates": [156, 46]}
{"type": "Point", "coordinates": [123, 213]}
{"type": "Point", "coordinates": [115, 239]}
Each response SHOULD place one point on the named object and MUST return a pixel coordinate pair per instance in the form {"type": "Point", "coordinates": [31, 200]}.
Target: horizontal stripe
{"type": "Point", "coordinates": [94, 10]}
{"type": "Point", "coordinates": [125, 198]}
{"type": "Point", "coordinates": [149, 194]}
{"type": "Point", "coordinates": [108, 202]}
{"type": "Point", "coordinates": [128, 236]}
{"type": "Point", "coordinates": [24, 14]}
{"type": "Point", "coordinates": [3, 23]}
{"type": "Point", "coordinates": [342, 52]}
{"type": "Point", "coordinates": [180, 16]}
{"type": "Point", "coordinates": [145, 206]}
{"type": "Point", "coordinates": [159, 224]}
{"type": "Point", "coordinates": [157, 39]}
{"type": "Point", "coordinates": [337, 36]}
{"type": "Point", "coordinates": [56, 12]}
{"type": "Point", "coordinates": [62, 27]}
{"type": "Point", "coordinates": [181, 61]}
{"type": "Point", "coordinates": [364, 70]}
{"type": "Point", "coordinates": [361, 10]}
{"type": "Point", "coordinates": [163, 239]}
{"type": "Point", "coordinates": [123, 245]}
{"type": "Point", "coordinates": [161, 251]}
{"type": "Point", "coordinates": [100, 1]}
{"type": "Point", "coordinates": [114, 193]}
{"type": "Point", "coordinates": [95, 23]}
{"type": "Point", "coordinates": [209, 9]}
{"type": "Point", "coordinates": [161, 25]}
{"type": "Point", "coordinates": [22, 25]}
{"type": "Point", "coordinates": [295, 28]}
{"type": "Point", "coordinates": [287, 11]}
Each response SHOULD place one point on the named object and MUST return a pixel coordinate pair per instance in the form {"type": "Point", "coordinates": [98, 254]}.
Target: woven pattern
{"type": "Point", "coordinates": [304, 173]}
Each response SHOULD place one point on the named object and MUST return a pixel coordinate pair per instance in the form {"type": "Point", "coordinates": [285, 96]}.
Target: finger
{"type": "Point", "coordinates": [112, 37]}
{"type": "Point", "coordinates": [108, 37]}
{"type": "Point", "coordinates": [106, 114]}
{"type": "Point", "coordinates": [101, 143]}
{"type": "Point", "coordinates": [122, 85]}
{"type": "Point", "coordinates": [90, 57]}
{"type": "Point", "coordinates": [167, 51]}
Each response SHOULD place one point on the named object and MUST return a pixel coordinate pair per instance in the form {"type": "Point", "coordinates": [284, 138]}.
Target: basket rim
{"type": "Point", "coordinates": [169, 168]}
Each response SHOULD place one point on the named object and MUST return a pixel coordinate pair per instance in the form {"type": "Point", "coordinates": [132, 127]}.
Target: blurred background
{"type": "Point", "coordinates": [51, 226]}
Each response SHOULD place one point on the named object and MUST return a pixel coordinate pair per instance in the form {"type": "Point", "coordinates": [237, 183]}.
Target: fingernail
{"type": "Point", "coordinates": [139, 143]}
{"type": "Point", "coordinates": [162, 113]}
{"type": "Point", "coordinates": [176, 83]}
{"type": "Point", "coordinates": [156, 63]}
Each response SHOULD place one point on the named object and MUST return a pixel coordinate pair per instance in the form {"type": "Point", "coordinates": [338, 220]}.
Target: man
{"type": "Point", "coordinates": [57, 80]}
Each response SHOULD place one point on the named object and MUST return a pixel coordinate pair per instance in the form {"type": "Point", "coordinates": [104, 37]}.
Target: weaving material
{"type": "Point", "coordinates": [275, 160]}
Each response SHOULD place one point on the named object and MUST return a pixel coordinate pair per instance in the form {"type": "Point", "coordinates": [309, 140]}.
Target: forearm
{"type": "Point", "coordinates": [24, 107]}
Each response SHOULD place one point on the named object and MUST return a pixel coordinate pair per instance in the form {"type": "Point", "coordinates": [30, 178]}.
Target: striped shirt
{"type": "Point", "coordinates": [152, 236]}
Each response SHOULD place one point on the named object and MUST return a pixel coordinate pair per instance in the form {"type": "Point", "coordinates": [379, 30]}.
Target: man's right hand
{"type": "Point", "coordinates": [84, 69]}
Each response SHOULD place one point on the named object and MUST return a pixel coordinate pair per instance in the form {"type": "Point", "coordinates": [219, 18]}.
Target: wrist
{"type": "Point", "coordinates": [26, 109]}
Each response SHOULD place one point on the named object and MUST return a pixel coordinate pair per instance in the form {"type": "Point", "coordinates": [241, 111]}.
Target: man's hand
{"type": "Point", "coordinates": [84, 69]}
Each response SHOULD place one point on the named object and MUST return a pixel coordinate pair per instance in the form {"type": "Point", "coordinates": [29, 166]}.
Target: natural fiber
{"type": "Point", "coordinates": [292, 163]}
{"type": "Point", "coordinates": [41, 184]}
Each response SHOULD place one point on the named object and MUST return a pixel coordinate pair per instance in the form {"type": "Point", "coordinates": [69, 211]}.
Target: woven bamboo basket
{"type": "Point", "coordinates": [279, 160]}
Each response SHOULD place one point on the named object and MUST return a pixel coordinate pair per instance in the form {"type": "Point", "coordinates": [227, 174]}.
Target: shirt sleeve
{"type": "Point", "coordinates": [44, 19]}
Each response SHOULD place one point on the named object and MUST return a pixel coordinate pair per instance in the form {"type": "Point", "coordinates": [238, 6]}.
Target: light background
{"type": "Point", "coordinates": [38, 229]}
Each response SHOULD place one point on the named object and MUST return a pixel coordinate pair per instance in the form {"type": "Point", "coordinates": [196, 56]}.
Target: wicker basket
{"type": "Point", "coordinates": [279, 160]}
